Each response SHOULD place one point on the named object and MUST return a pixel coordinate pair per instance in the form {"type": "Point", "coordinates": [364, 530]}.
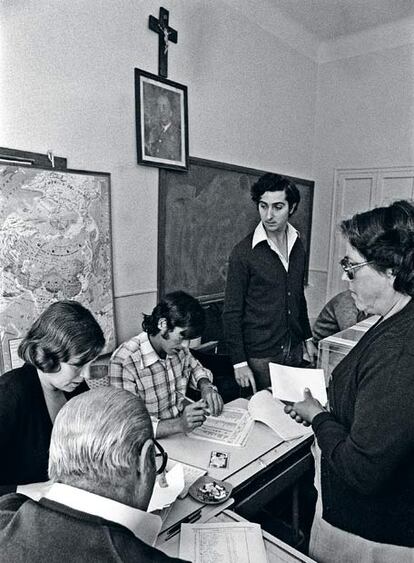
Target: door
{"type": "Point", "coordinates": [357, 190]}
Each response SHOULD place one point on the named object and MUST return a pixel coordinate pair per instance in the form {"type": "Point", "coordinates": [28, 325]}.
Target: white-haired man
{"type": "Point", "coordinates": [102, 464]}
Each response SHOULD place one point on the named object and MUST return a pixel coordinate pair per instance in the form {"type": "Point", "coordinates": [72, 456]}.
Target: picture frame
{"type": "Point", "coordinates": [161, 112]}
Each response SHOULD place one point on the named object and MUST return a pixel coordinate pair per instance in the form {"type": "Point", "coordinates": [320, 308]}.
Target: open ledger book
{"type": "Point", "coordinates": [265, 408]}
{"type": "Point", "coordinates": [232, 427]}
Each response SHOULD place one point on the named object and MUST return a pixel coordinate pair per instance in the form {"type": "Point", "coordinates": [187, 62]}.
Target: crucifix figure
{"type": "Point", "coordinates": [165, 35]}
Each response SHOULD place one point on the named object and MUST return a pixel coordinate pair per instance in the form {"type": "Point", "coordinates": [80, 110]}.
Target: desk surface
{"type": "Point", "coordinates": [262, 450]}
{"type": "Point", "coordinates": [277, 551]}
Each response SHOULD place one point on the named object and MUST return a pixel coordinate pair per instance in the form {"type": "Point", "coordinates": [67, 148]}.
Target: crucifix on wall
{"type": "Point", "coordinates": [166, 35]}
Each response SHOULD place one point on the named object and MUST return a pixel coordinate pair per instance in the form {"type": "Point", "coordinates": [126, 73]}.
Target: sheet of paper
{"type": "Point", "coordinates": [191, 474]}
{"type": "Point", "coordinates": [265, 408]}
{"type": "Point", "coordinates": [288, 383]}
{"type": "Point", "coordinates": [232, 427]}
{"type": "Point", "coordinates": [164, 496]}
{"type": "Point", "coordinates": [227, 543]}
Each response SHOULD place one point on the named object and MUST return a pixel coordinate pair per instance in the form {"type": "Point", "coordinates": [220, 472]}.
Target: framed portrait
{"type": "Point", "coordinates": [161, 121]}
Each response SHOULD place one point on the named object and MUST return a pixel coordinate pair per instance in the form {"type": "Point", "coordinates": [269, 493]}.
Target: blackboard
{"type": "Point", "coordinates": [203, 213]}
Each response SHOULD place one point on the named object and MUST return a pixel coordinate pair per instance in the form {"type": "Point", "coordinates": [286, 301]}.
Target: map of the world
{"type": "Point", "coordinates": [54, 244]}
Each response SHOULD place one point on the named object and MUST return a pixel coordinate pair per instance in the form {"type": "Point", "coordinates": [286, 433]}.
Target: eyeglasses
{"type": "Point", "coordinates": [350, 267]}
{"type": "Point", "coordinates": [161, 457]}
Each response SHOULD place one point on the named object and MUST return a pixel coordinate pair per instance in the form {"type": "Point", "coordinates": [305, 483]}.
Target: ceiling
{"type": "Point", "coordinates": [330, 19]}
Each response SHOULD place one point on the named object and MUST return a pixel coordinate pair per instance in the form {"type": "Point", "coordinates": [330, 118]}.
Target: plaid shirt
{"type": "Point", "coordinates": [136, 367]}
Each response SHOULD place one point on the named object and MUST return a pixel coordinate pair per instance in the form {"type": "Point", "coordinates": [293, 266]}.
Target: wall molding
{"type": "Point", "coordinates": [126, 294]}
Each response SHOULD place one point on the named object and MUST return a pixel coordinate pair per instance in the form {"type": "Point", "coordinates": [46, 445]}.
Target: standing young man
{"type": "Point", "coordinates": [157, 365]}
{"type": "Point", "coordinates": [265, 313]}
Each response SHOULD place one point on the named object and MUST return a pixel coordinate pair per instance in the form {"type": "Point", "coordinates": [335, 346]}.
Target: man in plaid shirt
{"type": "Point", "coordinates": [157, 365]}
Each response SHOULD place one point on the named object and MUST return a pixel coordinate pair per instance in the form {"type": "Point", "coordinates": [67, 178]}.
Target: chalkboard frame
{"type": "Point", "coordinates": [164, 216]}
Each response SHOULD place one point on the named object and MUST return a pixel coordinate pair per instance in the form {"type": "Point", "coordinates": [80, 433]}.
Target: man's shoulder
{"type": "Point", "coordinates": [108, 540]}
{"type": "Point", "coordinates": [9, 506]}
{"type": "Point", "coordinates": [130, 548]}
{"type": "Point", "coordinates": [12, 502]}
{"type": "Point", "coordinates": [129, 347]}
{"type": "Point", "coordinates": [243, 245]}
{"type": "Point", "coordinates": [342, 299]}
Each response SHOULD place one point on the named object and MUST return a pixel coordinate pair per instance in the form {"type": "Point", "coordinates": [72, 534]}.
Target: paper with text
{"type": "Point", "coordinates": [265, 408]}
{"type": "Point", "coordinates": [232, 427]}
{"type": "Point", "coordinates": [164, 496]}
{"type": "Point", "coordinates": [228, 543]}
{"type": "Point", "coordinates": [288, 383]}
{"type": "Point", "coordinates": [191, 474]}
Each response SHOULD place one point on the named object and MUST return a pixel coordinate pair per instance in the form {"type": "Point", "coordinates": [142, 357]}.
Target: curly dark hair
{"type": "Point", "coordinates": [178, 309]}
{"type": "Point", "coordinates": [276, 183]}
{"type": "Point", "coordinates": [64, 331]}
{"type": "Point", "coordinates": [385, 237]}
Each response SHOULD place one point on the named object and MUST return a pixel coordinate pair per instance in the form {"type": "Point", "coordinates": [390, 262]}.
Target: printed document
{"type": "Point", "coordinates": [191, 474]}
{"type": "Point", "coordinates": [232, 427]}
{"type": "Point", "coordinates": [164, 496]}
{"type": "Point", "coordinates": [288, 383]}
{"type": "Point", "coordinates": [265, 408]}
{"type": "Point", "coordinates": [225, 542]}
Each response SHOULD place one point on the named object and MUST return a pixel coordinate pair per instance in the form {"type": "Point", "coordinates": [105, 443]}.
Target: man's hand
{"type": "Point", "coordinates": [305, 411]}
{"type": "Point", "coordinates": [213, 399]}
{"type": "Point", "coordinates": [310, 352]}
{"type": "Point", "coordinates": [244, 377]}
{"type": "Point", "coordinates": [193, 416]}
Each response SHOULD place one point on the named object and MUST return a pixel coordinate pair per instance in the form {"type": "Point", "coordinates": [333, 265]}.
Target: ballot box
{"type": "Point", "coordinates": [334, 348]}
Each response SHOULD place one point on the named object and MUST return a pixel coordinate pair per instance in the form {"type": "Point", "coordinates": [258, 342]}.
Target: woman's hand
{"type": "Point", "coordinates": [305, 411]}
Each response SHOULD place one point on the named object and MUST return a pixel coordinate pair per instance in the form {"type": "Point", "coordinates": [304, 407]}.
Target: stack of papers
{"type": "Point", "coordinates": [191, 474]}
{"type": "Point", "coordinates": [264, 408]}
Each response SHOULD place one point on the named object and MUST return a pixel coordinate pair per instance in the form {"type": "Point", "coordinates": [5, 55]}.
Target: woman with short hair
{"type": "Point", "coordinates": [365, 441]}
{"type": "Point", "coordinates": [57, 352]}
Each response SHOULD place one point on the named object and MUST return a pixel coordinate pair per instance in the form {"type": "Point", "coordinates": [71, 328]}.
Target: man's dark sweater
{"type": "Point", "coordinates": [264, 305]}
{"type": "Point", "coordinates": [367, 441]}
{"type": "Point", "coordinates": [52, 532]}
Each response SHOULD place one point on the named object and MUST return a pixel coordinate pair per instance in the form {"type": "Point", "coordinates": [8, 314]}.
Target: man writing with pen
{"type": "Point", "coordinates": [158, 366]}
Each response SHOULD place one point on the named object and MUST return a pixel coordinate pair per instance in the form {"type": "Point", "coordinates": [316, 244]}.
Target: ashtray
{"type": "Point", "coordinates": [210, 491]}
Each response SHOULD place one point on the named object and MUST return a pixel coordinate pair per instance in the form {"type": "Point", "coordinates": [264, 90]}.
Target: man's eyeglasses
{"type": "Point", "coordinates": [161, 457]}
{"type": "Point", "coordinates": [350, 267]}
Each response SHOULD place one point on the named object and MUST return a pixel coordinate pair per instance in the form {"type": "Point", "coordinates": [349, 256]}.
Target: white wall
{"type": "Point", "coordinates": [364, 118]}
{"type": "Point", "coordinates": [67, 84]}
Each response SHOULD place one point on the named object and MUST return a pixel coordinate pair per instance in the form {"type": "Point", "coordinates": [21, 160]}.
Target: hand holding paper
{"type": "Point", "coordinates": [305, 411]}
{"type": "Point", "coordinates": [264, 408]}
{"type": "Point", "coordinates": [288, 383]}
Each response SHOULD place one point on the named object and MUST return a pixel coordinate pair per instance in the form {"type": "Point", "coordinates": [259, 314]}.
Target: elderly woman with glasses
{"type": "Point", "coordinates": [364, 455]}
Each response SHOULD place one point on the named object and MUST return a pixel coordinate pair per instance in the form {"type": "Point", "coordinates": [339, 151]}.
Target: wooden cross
{"type": "Point", "coordinates": [165, 35]}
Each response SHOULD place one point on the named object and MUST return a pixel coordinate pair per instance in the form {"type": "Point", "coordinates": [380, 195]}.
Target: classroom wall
{"type": "Point", "coordinates": [67, 84]}
{"type": "Point", "coordinates": [364, 112]}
